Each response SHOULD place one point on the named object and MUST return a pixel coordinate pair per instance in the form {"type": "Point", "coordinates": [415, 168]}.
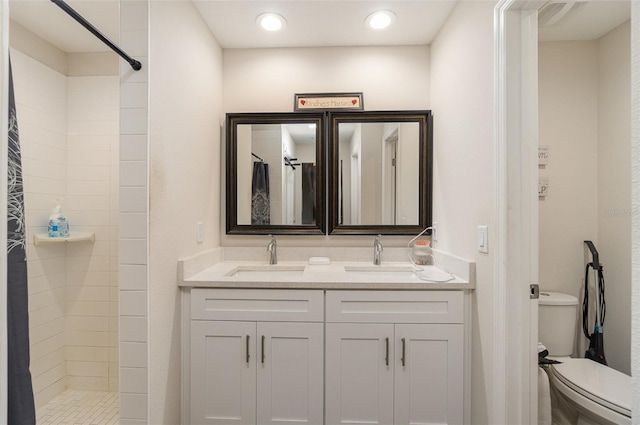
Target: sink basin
{"type": "Point", "coordinates": [267, 271]}
{"type": "Point", "coordinates": [381, 272]}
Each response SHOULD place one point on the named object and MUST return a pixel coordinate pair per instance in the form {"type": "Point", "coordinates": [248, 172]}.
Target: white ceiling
{"type": "Point", "coordinates": [589, 21]}
{"type": "Point", "coordinates": [323, 23]}
{"type": "Point", "coordinates": [309, 22]}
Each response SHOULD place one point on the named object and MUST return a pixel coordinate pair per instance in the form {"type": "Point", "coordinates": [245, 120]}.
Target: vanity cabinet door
{"type": "Point", "coordinates": [359, 373]}
{"type": "Point", "coordinates": [256, 373]}
{"type": "Point", "coordinates": [428, 374]}
{"type": "Point", "coordinates": [290, 375]}
{"type": "Point", "coordinates": [223, 373]}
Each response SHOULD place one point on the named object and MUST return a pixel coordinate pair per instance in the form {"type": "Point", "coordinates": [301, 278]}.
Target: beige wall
{"type": "Point", "coordinates": [585, 120]}
{"type": "Point", "coordinates": [464, 195]}
{"type": "Point", "coordinates": [70, 64]}
{"type": "Point", "coordinates": [259, 80]}
{"type": "Point", "coordinates": [614, 190]}
{"type": "Point", "coordinates": [568, 125]}
{"type": "Point", "coordinates": [265, 80]}
{"type": "Point", "coordinates": [31, 45]}
{"type": "Point", "coordinates": [185, 116]}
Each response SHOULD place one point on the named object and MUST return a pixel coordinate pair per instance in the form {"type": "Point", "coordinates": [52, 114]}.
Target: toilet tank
{"type": "Point", "coordinates": [557, 322]}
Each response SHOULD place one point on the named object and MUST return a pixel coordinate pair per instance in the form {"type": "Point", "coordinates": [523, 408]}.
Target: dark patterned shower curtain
{"type": "Point", "coordinates": [260, 208]}
{"type": "Point", "coordinates": [21, 409]}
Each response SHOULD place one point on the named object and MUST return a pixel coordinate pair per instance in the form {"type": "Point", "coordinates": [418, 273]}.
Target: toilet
{"type": "Point", "coordinates": [590, 393]}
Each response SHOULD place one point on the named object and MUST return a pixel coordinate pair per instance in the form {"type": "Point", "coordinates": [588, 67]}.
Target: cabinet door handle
{"type": "Point", "coordinates": [386, 352]}
{"type": "Point", "coordinates": [402, 359]}
{"type": "Point", "coordinates": [262, 348]}
{"type": "Point", "coordinates": [247, 355]}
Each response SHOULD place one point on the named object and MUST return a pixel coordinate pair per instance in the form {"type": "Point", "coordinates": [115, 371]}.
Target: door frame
{"type": "Point", "coordinates": [515, 398]}
{"type": "Point", "coordinates": [515, 31]}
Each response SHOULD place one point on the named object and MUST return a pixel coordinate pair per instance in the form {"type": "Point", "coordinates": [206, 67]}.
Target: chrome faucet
{"type": "Point", "coordinates": [377, 249]}
{"type": "Point", "coordinates": [271, 247]}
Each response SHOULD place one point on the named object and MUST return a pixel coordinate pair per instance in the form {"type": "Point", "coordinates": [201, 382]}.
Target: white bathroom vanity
{"type": "Point", "coordinates": [343, 343]}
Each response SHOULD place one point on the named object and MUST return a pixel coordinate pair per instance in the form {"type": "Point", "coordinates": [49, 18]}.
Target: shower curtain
{"type": "Point", "coordinates": [260, 210]}
{"type": "Point", "coordinates": [21, 408]}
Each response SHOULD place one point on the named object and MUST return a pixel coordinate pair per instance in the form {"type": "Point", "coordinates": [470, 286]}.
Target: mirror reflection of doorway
{"type": "Point", "coordinates": [355, 189]}
{"type": "Point", "coordinates": [389, 178]}
{"type": "Point", "coordinates": [289, 198]}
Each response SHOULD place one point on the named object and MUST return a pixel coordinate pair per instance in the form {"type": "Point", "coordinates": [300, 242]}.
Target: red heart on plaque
{"type": "Point", "coordinates": [354, 101]}
{"type": "Point", "coordinates": [302, 102]}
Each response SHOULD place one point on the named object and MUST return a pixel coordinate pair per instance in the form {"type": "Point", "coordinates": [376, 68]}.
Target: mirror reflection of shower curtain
{"type": "Point", "coordinates": [21, 408]}
{"type": "Point", "coordinates": [308, 193]}
{"type": "Point", "coordinates": [260, 208]}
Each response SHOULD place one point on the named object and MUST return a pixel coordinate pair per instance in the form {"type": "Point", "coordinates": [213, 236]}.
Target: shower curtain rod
{"type": "Point", "coordinates": [75, 15]}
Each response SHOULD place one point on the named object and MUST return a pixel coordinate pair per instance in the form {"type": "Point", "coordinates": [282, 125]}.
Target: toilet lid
{"type": "Point", "coordinates": [599, 383]}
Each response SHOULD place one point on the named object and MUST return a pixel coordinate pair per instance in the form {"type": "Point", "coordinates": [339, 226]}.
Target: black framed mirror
{"type": "Point", "coordinates": [381, 169]}
{"type": "Point", "coordinates": [275, 173]}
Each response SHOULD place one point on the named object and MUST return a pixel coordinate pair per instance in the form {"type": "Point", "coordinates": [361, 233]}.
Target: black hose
{"type": "Point", "coordinates": [585, 305]}
{"type": "Point", "coordinates": [603, 304]}
{"type": "Point", "coordinates": [585, 302]}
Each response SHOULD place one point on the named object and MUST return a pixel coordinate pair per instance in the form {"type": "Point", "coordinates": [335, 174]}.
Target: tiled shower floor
{"type": "Point", "coordinates": [80, 407]}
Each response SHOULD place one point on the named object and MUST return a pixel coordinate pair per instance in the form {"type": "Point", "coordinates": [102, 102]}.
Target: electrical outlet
{"type": "Point", "coordinates": [434, 231]}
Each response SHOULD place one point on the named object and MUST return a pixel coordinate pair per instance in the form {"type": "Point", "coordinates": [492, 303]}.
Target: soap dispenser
{"type": "Point", "coordinates": [53, 223]}
{"type": "Point", "coordinates": [58, 223]}
{"type": "Point", "coordinates": [63, 225]}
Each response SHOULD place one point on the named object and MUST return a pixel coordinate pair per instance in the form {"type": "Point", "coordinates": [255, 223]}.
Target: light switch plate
{"type": "Point", "coordinates": [199, 232]}
{"type": "Point", "coordinates": [483, 239]}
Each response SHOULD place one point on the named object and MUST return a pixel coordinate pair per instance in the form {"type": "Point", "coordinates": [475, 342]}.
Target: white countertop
{"type": "Point", "coordinates": [336, 275]}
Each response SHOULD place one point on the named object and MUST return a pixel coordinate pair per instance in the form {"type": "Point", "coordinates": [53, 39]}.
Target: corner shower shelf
{"type": "Point", "coordinates": [44, 239]}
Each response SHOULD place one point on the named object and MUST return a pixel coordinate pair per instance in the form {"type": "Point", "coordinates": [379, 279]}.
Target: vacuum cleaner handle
{"type": "Point", "coordinates": [594, 253]}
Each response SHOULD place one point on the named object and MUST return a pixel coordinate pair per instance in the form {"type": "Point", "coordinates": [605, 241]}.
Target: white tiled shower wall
{"type": "Point", "coordinates": [40, 98]}
{"type": "Point", "coordinates": [134, 211]}
{"type": "Point", "coordinates": [91, 204]}
{"type": "Point", "coordinates": [69, 136]}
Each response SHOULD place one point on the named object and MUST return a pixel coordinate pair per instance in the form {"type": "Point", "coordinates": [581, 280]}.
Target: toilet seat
{"type": "Point", "coordinates": [604, 389]}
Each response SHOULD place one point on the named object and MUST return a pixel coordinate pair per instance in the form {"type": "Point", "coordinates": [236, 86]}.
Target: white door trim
{"type": "Point", "coordinates": [498, 408]}
{"type": "Point", "coordinates": [635, 202]}
{"type": "Point", "coordinates": [516, 252]}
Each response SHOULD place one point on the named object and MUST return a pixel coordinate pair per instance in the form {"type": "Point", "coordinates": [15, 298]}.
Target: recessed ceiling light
{"type": "Point", "coordinates": [271, 22]}
{"type": "Point", "coordinates": [380, 20]}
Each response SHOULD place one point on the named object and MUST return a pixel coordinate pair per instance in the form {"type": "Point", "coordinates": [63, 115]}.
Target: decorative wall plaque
{"type": "Point", "coordinates": [328, 101]}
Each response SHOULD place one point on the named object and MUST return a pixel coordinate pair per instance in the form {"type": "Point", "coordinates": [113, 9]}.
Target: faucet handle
{"type": "Point", "coordinates": [272, 243]}
{"type": "Point", "coordinates": [377, 249]}
{"type": "Point", "coordinates": [271, 247]}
